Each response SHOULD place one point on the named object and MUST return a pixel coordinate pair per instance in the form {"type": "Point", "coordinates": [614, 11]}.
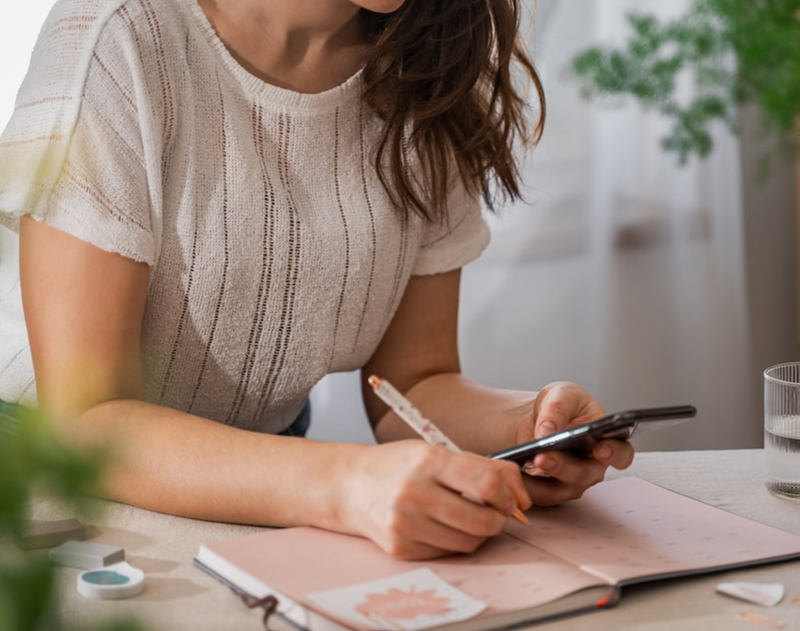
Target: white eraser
{"type": "Point", "coordinates": [109, 583]}
{"type": "Point", "coordinates": [86, 555]}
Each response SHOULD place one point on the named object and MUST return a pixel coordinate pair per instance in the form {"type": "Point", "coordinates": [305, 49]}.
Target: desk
{"type": "Point", "coordinates": [179, 596]}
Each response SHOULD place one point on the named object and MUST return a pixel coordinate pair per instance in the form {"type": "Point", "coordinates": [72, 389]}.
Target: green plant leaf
{"type": "Point", "coordinates": [737, 52]}
{"type": "Point", "coordinates": [32, 460]}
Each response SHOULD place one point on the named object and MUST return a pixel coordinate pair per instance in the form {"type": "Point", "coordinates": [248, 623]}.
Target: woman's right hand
{"type": "Point", "coordinates": [410, 498]}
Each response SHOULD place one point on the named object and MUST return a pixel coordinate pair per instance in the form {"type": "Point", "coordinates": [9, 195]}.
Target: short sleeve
{"type": "Point", "coordinates": [72, 155]}
{"type": "Point", "coordinates": [457, 240]}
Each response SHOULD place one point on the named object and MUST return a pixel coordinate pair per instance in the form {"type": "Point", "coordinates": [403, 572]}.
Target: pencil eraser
{"type": "Point", "coordinates": [117, 581]}
{"type": "Point", "coordinates": [46, 534]}
{"type": "Point", "coordinates": [86, 555]}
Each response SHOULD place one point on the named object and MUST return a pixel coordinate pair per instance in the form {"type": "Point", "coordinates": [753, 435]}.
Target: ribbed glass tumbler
{"type": "Point", "coordinates": [782, 429]}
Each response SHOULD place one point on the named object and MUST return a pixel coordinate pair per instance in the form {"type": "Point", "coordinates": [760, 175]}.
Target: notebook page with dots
{"type": "Point", "coordinates": [572, 559]}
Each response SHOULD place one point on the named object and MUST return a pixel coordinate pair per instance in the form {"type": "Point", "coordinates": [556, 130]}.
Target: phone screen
{"type": "Point", "coordinates": [581, 438]}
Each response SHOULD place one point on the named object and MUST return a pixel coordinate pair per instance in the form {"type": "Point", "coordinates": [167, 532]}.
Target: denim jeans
{"type": "Point", "coordinates": [299, 426]}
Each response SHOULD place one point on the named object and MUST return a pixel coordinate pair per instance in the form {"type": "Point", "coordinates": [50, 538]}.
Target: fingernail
{"type": "Point", "coordinates": [547, 428]}
{"type": "Point", "coordinates": [604, 451]}
{"type": "Point", "coordinates": [520, 517]}
{"type": "Point", "coordinates": [534, 471]}
{"type": "Point", "coordinates": [547, 464]}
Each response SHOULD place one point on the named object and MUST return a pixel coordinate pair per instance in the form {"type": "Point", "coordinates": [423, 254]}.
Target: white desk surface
{"type": "Point", "coordinates": [179, 596]}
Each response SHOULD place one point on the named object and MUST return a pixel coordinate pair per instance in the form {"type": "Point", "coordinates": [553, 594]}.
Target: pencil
{"type": "Point", "coordinates": [414, 419]}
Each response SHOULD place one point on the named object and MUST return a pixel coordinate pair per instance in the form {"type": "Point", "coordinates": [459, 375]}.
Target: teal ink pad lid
{"type": "Point", "coordinates": [115, 581]}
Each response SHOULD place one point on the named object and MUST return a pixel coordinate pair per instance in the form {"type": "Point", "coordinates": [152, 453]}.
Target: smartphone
{"type": "Point", "coordinates": [581, 438]}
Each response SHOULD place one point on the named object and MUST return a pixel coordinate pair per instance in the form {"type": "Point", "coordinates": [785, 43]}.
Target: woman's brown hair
{"type": "Point", "coordinates": [440, 75]}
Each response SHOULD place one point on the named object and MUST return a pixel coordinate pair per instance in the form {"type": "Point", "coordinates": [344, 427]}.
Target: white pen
{"type": "Point", "coordinates": [392, 397]}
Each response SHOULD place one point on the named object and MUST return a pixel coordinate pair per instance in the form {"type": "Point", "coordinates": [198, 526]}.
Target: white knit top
{"type": "Point", "coordinates": [275, 256]}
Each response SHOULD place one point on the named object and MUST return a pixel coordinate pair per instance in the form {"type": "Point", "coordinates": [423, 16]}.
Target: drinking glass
{"type": "Point", "coordinates": [782, 429]}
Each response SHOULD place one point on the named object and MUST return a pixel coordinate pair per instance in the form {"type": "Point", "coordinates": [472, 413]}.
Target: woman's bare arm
{"type": "Point", "coordinates": [84, 309]}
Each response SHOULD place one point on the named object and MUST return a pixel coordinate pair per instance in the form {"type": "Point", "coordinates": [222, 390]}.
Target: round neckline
{"type": "Point", "coordinates": [263, 89]}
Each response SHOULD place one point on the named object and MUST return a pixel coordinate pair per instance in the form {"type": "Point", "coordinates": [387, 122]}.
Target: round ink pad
{"type": "Point", "coordinates": [114, 581]}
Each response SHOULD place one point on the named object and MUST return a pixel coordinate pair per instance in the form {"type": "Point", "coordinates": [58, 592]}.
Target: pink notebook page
{"type": "Point", "coordinates": [629, 528]}
{"type": "Point", "coordinates": [505, 573]}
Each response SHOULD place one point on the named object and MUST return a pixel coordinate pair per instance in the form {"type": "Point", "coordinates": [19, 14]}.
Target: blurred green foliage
{"type": "Point", "coordinates": [32, 461]}
{"type": "Point", "coordinates": [736, 51]}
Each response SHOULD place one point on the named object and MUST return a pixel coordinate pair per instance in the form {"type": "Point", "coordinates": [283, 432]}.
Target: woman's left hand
{"type": "Point", "coordinates": [554, 476]}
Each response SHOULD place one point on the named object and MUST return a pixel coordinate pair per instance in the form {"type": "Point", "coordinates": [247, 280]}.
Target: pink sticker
{"type": "Point", "coordinates": [404, 602]}
{"type": "Point", "coordinates": [404, 605]}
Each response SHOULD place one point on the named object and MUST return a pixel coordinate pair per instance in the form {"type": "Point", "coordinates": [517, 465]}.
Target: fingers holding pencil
{"type": "Point", "coordinates": [434, 436]}
{"type": "Point", "coordinates": [411, 499]}
{"type": "Point", "coordinates": [498, 482]}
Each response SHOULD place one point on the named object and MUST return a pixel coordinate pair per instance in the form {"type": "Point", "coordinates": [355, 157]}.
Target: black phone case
{"type": "Point", "coordinates": [581, 438]}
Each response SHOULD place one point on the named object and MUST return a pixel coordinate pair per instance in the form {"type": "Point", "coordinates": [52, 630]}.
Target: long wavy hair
{"type": "Point", "coordinates": [441, 76]}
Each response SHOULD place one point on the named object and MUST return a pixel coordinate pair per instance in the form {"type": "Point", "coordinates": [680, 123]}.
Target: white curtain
{"type": "Point", "coordinates": [18, 30]}
{"type": "Point", "coordinates": [623, 271]}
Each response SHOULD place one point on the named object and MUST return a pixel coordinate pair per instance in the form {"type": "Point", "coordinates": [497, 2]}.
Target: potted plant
{"type": "Point", "coordinates": [738, 52]}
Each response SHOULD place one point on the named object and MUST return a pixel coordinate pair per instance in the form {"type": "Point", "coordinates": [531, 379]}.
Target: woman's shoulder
{"type": "Point", "coordinates": [92, 58]}
{"type": "Point", "coordinates": [122, 36]}
{"type": "Point", "coordinates": [68, 37]}
{"type": "Point", "coordinates": [79, 26]}
{"type": "Point", "coordinates": [76, 16]}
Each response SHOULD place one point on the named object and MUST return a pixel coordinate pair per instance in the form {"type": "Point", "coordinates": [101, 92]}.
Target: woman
{"type": "Point", "coordinates": [220, 202]}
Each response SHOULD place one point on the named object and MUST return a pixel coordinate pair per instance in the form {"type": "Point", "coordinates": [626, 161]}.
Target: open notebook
{"type": "Point", "coordinates": [571, 559]}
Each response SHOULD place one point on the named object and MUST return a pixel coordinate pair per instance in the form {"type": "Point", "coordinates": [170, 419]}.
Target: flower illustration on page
{"type": "Point", "coordinates": [398, 604]}
{"type": "Point", "coordinates": [411, 601]}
